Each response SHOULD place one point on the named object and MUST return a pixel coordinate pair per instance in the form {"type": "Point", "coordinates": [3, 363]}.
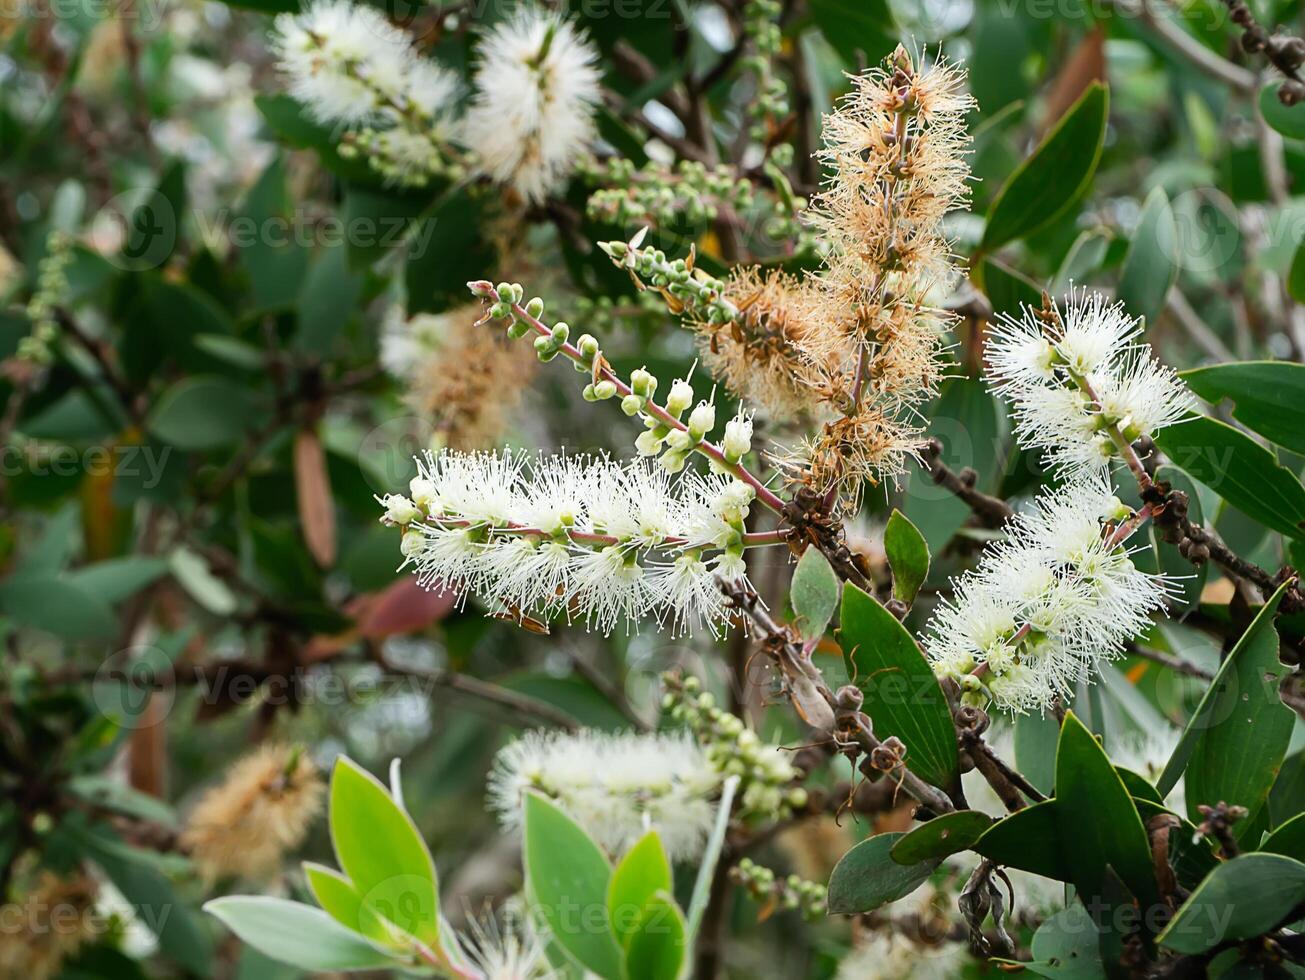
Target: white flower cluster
{"type": "Point", "coordinates": [577, 536]}
{"type": "Point", "coordinates": [615, 786]}
{"type": "Point", "coordinates": [350, 65]}
{"type": "Point", "coordinates": [532, 113]}
{"type": "Point", "coordinates": [537, 87]}
{"type": "Point", "coordinates": [1046, 605]}
{"type": "Point", "coordinates": [1080, 380]}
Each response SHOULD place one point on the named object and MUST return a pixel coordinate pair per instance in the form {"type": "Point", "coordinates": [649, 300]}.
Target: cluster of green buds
{"type": "Point", "coordinates": [656, 195]}
{"type": "Point", "coordinates": [761, 24]}
{"type": "Point", "coordinates": [794, 893]}
{"type": "Point", "coordinates": [685, 288]}
{"type": "Point", "coordinates": [402, 156]}
{"type": "Point", "coordinates": [51, 290]}
{"type": "Point", "coordinates": [766, 776]}
{"type": "Point", "coordinates": [547, 347]}
{"type": "Point", "coordinates": [643, 309]}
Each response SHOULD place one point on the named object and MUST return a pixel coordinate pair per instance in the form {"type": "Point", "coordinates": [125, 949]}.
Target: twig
{"type": "Point", "coordinates": [992, 512]}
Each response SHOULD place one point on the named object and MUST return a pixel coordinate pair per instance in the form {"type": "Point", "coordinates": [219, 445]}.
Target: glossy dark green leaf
{"type": "Point", "coordinates": [290, 121]}
{"type": "Point", "coordinates": [814, 593]}
{"type": "Point", "coordinates": [567, 878]}
{"type": "Point", "coordinates": [1099, 824]}
{"type": "Point", "coordinates": [1065, 947]}
{"type": "Point", "coordinates": [1240, 899]}
{"type": "Point", "coordinates": [446, 250]}
{"type": "Point", "coordinates": [1008, 289]}
{"type": "Point", "coordinates": [867, 877]}
{"type": "Point", "coordinates": [1239, 470]}
{"type": "Point", "coordinates": [274, 252]}
{"type": "Point", "coordinates": [1054, 176]}
{"type": "Point", "coordinates": [947, 834]}
{"type": "Point", "coordinates": [857, 28]}
{"type": "Point", "coordinates": [1035, 749]}
{"type": "Point", "coordinates": [908, 556]}
{"type": "Point", "coordinates": [1296, 274]}
{"type": "Point", "coordinates": [902, 696]}
{"type": "Point", "coordinates": [1029, 840]}
{"type": "Point", "coordinates": [1242, 741]}
{"type": "Point", "coordinates": [326, 303]}
{"type": "Point", "coordinates": [1268, 396]}
{"type": "Point", "coordinates": [1288, 120]}
{"type": "Point", "coordinates": [1149, 268]}
{"type": "Point", "coordinates": [1288, 840]}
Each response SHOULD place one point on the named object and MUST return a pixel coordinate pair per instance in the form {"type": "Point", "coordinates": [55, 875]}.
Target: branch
{"type": "Point", "coordinates": [992, 512]}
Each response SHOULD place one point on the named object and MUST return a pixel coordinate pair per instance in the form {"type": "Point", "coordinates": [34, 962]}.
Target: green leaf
{"type": "Point", "coordinates": [908, 556]}
{"type": "Point", "coordinates": [1242, 898]}
{"type": "Point", "coordinates": [642, 873]}
{"type": "Point", "coordinates": [1239, 470]}
{"type": "Point", "coordinates": [331, 291]}
{"type": "Point", "coordinates": [1035, 749]}
{"type": "Point", "coordinates": [300, 935]}
{"type": "Point", "coordinates": [867, 877]}
{"type": "Point", "coordinates": [657, 948]}
{"type": "Point", "coordinates": [567, 878]}
{"type": "Point", "coordinates": [1045, 185]}
{"type": "Point", "coordinates": [814, 593]}
{"type": "Point", "coordinates": [379, 849]}
{"type": "Point", "coordinates": [445, 250]}
{"type": "Point", "coordinates": [1008, 289]}
{"type": "Point", "coordinates": [1191, 854]}
{"type": "Point", "coordinates": [1149, 268]}
{"type": "Point", "coordinates": [269, 244]}
{"type": "Point", "coordinates": [1296, 275]}
{"type": "Point", "coordinates": [1099, 825]}
{"type": "Point", "coordinates": [290, 122]}
{"type": "Point", "coordinates": [1029, 840]}
{"type": "Point", "coordinates": [1288, 120]}
{"type": "Point", "coordinates": [1268, 397]}
{"type": "Point", "coordinates": [1244, 726]}
{"type": "Point", "coordinates": [902, 696]}
{"type": "Point", "coordinates": [57, 605]}
{"type": "Point", "coordinates": [118, 578]}
{"type": "Point", "coordinates": [204, 412]}
{"type": "Point", "coordinates": [944, 835]}
{"type": "Point", "coordinates": [1288, 840]}
{"type": "Point", "coordinates": [1253, 644]}
{"type": "Point", "coordinates": [1065, 947]}
{"type": "Point", "coordinates": [857, 28]}
{"type": "Point", "coordinates": [336, 895]}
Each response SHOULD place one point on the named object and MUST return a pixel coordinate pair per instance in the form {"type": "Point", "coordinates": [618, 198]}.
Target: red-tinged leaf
{"type": "Point", "coordinates": [402, 607]}
{"type": "Point", "coordinates": [313, 492]}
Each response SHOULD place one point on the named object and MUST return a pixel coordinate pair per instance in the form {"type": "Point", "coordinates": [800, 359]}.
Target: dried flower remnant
{"type": "Point", "coordinates": [47, 924]}
{"type": "Point", "coordinates": [537, 87]}
{"type": "Point", "coordinates": [1049, 604]}
{"type": "Point", "coordinates": [466, 381]}
{"type": "Point", "coordinates": [1082, 385]}
{"type": "Point", "coordinates": [245, 826]}
{"type": "Point", "coordinates": [615, 786]}
{"type": "Point", "coordinates": [585, 538]}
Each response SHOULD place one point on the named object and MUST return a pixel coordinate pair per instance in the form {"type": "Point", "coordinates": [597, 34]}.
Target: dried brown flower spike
{"type": "Point", "coordinates": [50, 922]}
{"type": "Point", "coordinates": [262, 810]}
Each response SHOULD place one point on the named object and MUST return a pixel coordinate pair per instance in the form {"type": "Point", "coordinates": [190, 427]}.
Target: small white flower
{"type": "Point", "coordinates": [702, 420]}
{"type": "Point", "coordinates": [680, 397]}
{"type": "Point", "coordinates": [1078, 374]}
{"type": "Point", "coordinates": [738, 437]}
{"type": "Point", "coordinates": [536, 91]}
{"type": "Point", "coordinates": [399, 509]}
{"type": "Point", "coordinates": [615, 786]}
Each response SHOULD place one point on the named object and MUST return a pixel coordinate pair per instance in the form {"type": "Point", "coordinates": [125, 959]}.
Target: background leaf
{"type": "Point", "coordinates": [867, 877]}
{"type": "Point", "coordinates": [908, 556]}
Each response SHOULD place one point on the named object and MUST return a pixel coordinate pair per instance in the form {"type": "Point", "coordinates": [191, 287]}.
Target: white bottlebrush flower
{"type": "Point", "coordinates": [1045, 606]}
{"type": "Point", "coordinates": [508, 951]}
{"type": "Point", "coordinates": [577, 536]}
{"type": "Point", "coordinates": [536, 91]}
{"type": "Point", "coordinates": [616, 786]}
{"type": "Point", "coordinates": [1077, 373]}
{"type": "Point", "coordinates": [348, 64]}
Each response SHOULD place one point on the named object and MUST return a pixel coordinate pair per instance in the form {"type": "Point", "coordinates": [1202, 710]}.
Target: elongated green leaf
{"type": "Point", "coordinates": [867, 877]}
{"type": "Point", "coordinates": [941, 836]}
{"type": "Point", "coordinates": [379, 849]}
{"type": "Point", "coordinates": [1240, 899]}
{"type": "Point", "coordinates": [1149, 267]}
{"type": "Point", "coordinates": [1065, 947]}
{"type": "Point", "coordinates": [1028, 840]}
{"type": "Point", "coordinates": [1008, 289]}
{"type": "Point", "coordinates": [118, 578]}
{"type": "Point", "coordinates": [1055, 176]}
{"type": "Point", "coordinates": [567, 878]}
{"type": "Point", "coordinates": [902, 696]}
{"type": "Point", "coordinates": [58, 605]}
{"type": "Point", "coordinates": [1268, 396]}
{"type": "Point", "coordinates": [814, 593]}
{"type": "Point", "coordinates": [297, 934]}
{"type": "Point", "coordinates": [642, 873]}
{"type": "Point", "coordinates": [1296, 274]}
{"type": "Point", "coordinates": [1288, 840]}
{"type": "Point", "coordinates": [1239, 749]}
{"type": "Point", "coordinates": [343, 902]}
{"type": "Point", "coordinates": [658, 946]}
{"type": "Point", "coordinates": [1099, 824]}
{"type": "Point", "coordinates": [1035, 749]}
{"type": "Point", "coordinates": [1239, 470]}
{"type": "Point", "coordinates": [908, 556]}
{"type": "Point", "coordinates": [856, 28]}
{"type": "Point", "coordinates": [1253, 644]}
